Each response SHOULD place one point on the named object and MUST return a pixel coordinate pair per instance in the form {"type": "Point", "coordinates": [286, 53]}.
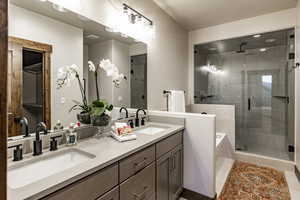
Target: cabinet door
{"type": "Point", "coordinates": [163, 171]}
{"type": "Point", "coordinates": [89, 188]}
{"type": "Point", "coordinates": [140, 186]}
{"type": "Point", "coordinates": [176, 172]}
{"type": "Point", "coordinates": [111, 195]}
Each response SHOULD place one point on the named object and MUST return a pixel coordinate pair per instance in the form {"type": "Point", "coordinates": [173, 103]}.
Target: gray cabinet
{"type": "Point", "coordinates": [111, 195]}
{"type": "Point", "coordinates": [89, 188]}
{"type": "Point", "coordinates": [163, 177]}
{"type": "Point", "coordinates": [168, 144]}
{"type": "Point", "coordinates": [136, 162]}
{"type": "Point", "coordinates": [140, 186]}
{"type": "Point", "coordinates": [176, 172]}
{"type": "Point", "coordinates": [169, 175]}
{"type": "Point", "coordinates": [153, 173]}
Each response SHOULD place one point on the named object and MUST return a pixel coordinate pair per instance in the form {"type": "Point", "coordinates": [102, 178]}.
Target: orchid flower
{"type": "Point", "coordinates": [66, 75]}
{"type": "Point", "coordinates": [64, 78]}
{"type": "Point", "coordinates": [92, 67]}
{"type": "Point", "coordinates": [111, 71]}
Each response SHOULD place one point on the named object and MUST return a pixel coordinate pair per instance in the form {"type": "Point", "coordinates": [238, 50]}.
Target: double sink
{"type": "Point", "coordinates": [38, 168]}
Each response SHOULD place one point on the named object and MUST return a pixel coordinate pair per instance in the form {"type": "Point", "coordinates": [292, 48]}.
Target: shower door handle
{"type": "Point", "coordinates": [249, 104]}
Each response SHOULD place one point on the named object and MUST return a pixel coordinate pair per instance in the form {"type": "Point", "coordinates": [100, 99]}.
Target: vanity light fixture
{"type": "Point", "coordinates": [136, 17]}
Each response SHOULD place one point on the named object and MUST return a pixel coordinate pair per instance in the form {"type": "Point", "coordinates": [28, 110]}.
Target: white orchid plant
{"type": "Point", "coordinates": [100, 106]}
{"type": "Point", "coordinates": [64, 78]}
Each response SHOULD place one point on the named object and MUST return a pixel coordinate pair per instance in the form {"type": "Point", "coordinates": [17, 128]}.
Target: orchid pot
{"type": "Point", "coordinates": [84, 118]}
{"type": "Point", "coordinates": [100, 120]}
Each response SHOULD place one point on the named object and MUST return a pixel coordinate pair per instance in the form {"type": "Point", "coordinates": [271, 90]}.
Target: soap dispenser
{"type": "Point", "coordinates": [71, 135]}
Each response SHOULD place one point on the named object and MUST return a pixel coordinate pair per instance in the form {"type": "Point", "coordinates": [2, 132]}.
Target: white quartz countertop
{"type": "Point", "coordinates": [107, 151]}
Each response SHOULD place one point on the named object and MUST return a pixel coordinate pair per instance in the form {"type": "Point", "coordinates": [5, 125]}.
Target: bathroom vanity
{"type": "Point", "coordinates": [150, 167]}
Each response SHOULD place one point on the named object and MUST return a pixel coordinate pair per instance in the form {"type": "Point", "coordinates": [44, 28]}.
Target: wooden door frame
{"type": "Point", "coordinates": [46, 49]}
{"type": "Point", "coordinates": [3, 97]}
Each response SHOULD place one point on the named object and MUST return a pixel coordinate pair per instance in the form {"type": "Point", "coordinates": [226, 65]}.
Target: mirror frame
{"type": "Point", "coordinates": [3, 96]}
{"type": "Point", "coordinates": [46, 50]}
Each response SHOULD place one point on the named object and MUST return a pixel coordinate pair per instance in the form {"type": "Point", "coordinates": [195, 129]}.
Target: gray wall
{"type": "Point", "coordinates": [67, 42]}
{"type": "Point", "coordinates": [97, 52]}
{"type": "Point", "coordinates": [167, 50]}
{"type": "Point", "coordinates": [118, 53]}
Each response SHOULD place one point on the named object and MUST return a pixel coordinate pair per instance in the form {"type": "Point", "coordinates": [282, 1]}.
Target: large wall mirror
{"type": "Point", "coordinates": [43, 39]}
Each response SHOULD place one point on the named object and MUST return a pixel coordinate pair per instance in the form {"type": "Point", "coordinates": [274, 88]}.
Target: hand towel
{"type": "Point", "coordinates": [176, 101]}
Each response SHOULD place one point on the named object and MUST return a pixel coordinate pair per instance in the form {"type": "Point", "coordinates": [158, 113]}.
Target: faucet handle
{"type": "Point", "coordinates": [143, 121]}
{"type": "Point", "coordinates": [53, 143]}
{"type": "Point", "coordinates": [131, 124]}
{"type": "Point", "coordinates": [18, 152]}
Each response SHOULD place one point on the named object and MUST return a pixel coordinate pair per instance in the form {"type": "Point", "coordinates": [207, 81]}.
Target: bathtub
{"type": "Point", "coordinates": [220, 138]}
{"type": "Point", "coordinates": [223, 146]}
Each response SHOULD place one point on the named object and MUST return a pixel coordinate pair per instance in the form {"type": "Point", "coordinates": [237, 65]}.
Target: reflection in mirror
{"type": "Point", "coordinates": [29, 82]}
{"type": "Point", "coordinates": [43, 40]}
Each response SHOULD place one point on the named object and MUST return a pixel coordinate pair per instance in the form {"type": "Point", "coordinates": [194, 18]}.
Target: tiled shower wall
{"type": "Point", "coordinates": [265, 126]}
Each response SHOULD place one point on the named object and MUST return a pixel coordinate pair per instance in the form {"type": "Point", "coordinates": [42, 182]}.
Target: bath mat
{"type": "Point", "coordinates": [251, 182]}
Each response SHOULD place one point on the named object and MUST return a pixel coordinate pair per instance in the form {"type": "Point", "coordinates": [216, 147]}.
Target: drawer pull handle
{"type": "Point", "coordinates": [142, 195]}
{"type": "Point", "coordinates": [142, 164]}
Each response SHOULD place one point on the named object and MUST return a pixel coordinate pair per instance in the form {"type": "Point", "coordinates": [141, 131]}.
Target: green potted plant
{"type": "Point", "coordinates": [99, 107]}
{"type": "Point", "coordinates": [65, 76]}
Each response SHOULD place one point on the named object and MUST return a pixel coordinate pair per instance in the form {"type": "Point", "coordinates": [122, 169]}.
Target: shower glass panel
{"type": "Point", "coordinates": [252, 74]}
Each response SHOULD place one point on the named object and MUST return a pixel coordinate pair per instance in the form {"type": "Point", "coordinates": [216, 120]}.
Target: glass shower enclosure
{"type": "Point", "coordinates": [254, 73]}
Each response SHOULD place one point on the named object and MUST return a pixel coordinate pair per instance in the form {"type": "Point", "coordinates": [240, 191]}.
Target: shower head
{"type": "Point", "coordinates": [242, 50]}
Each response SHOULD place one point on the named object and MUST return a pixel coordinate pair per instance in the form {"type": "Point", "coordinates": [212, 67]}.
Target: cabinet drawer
{"type": "Point", "coordinates": [132, 164]}
{"type": "Point", "coordinates": [89, 188]}
{"type": "Point", "coordinates": [168, 144]}
{"type": "Point", "coordinates": [140, 186]}
{"type": "Point", "coordinates": [111, 195]}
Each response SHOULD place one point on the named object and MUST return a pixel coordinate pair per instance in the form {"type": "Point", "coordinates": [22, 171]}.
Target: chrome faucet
{"type": "Point", "coordinates": [137, 120]}
{"type": "Point", "coordinates": [37, 144]}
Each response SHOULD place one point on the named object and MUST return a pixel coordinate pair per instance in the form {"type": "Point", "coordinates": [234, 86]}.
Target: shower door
{"type": "Point", "coordinates": [265, 114]}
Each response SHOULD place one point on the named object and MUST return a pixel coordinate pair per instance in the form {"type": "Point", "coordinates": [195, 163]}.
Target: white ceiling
{"type": "Point", "coordinates": [194, 14]}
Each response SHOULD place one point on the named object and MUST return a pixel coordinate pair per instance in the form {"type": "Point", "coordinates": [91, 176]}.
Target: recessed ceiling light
{"type": "Point", "coordinates": [124, 35]}
{"type": "Point", "coordinates": [257, 36]}
{"type": "Point", "coordinates": [59, 8]}
{"type": "Point", "coordinates": [83, 18]}
{"type": "Point", "coordinates": [263, 49]}
{"type": "Point", "coordinates": [91, 36]}
{"type": "Point", "coordinates": [110, 30]}
{"type": "Point", "coordinates": [270, 40]}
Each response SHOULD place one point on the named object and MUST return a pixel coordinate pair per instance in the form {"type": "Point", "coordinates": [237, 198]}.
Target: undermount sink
{"type": "Point", "coordinates": [44, 166]}
{"type": "Point", "coordinates": [151, 130]}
